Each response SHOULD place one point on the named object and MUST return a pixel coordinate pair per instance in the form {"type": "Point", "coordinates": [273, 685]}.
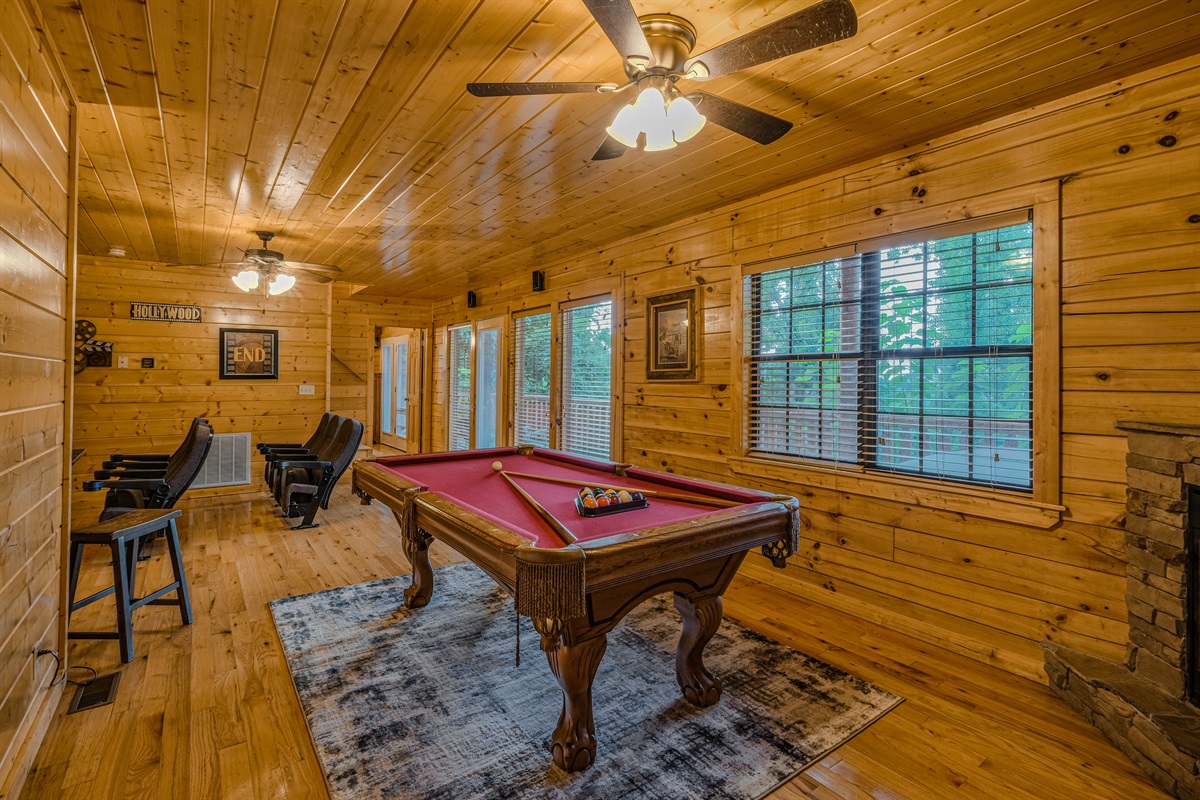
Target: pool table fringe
{"type": "Point", "coordinates": [779, 551]}
{"type": "Point", "coordinates": [551, 589]}
{"type": "Point", "coordinates": [406, 516]}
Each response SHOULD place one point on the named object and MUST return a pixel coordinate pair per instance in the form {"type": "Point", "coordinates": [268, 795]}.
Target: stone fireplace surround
{"type": "Point", "coordinates": [1141, 704]}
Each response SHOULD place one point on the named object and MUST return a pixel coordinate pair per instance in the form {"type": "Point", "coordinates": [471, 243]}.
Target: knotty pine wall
{"type": "Point", "coordinates": [326, 340]}
{"type": "Point", "coordinates": [149, 410]}
{"type": "Point", "coordinates": [37, 196]}
{"type": "Point", "coordinates": [988, 577]}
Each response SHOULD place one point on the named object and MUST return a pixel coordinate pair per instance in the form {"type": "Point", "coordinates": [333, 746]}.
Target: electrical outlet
{"type": "Point", "coordinates": [307, 389]}
{"type": "Point", "coordinates": [122, 362]}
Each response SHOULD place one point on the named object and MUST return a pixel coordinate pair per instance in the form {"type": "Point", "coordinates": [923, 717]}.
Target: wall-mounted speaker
{"type": "Point", "coordinates": [470, 300]}
{"type": "Point", "coordinates": [539, 280]}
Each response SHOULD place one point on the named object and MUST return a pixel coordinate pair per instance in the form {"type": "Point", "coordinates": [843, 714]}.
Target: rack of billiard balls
{"type": "Point", "coordinates": [599, 501]}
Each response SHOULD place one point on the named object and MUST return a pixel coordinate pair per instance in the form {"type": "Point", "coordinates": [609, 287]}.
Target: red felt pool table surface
{"type": "Point", "coordinates": [468, 480]}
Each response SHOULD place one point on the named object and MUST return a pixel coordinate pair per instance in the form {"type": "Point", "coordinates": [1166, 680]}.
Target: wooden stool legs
{"type": "Point", "coordinates": [182, 598]}
{"type": "Point", "coordinates": [123, 536]}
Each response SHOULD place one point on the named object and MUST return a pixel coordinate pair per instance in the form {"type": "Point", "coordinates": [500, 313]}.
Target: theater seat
{"type": "Point", "coordinates": [306, 484]}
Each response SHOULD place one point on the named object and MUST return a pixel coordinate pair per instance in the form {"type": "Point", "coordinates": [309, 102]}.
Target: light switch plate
{"type": "Point", "coordinates": [122, 362]}
{"type": "Point", "coordinates": [306, 389]}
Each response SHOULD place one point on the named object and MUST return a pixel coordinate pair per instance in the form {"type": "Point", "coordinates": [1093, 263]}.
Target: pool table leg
{"type": "Point", "coordinates": [701, 618]}
{"type": "Point", "coordinates": [416, 549]}
{"type": "Point", "coordinates": [573, 746]}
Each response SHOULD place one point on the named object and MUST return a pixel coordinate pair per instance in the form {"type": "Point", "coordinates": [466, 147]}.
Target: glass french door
{"type": "Point", "coordinates": [396, 358]}
{"type": "Point", "coordinates": [488, 382]}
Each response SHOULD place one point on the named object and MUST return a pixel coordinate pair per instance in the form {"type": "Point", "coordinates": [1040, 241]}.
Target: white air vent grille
{"type": "Point", "coordinates": [228, 462]}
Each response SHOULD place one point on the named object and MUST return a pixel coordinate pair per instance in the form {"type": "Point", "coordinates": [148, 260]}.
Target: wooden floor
{"type": "Point", "coordinates": [208, 710]}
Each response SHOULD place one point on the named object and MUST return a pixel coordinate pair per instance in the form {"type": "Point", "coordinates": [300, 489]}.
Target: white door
{"type": "Point", "coordinates": [489, 380]}
{"type": "Point", "coordinates": [394, 413]}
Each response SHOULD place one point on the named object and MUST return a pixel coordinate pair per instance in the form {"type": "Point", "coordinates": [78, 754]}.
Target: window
{"type": "Point", "coordinates": [399, 359]}
{"type": "Point", "coordinates": [912, 355]}
{"type": "Point", "coordinates": [487, 383]}
{"type": "Point", "coordinates": [458, 407]}
{"type": "Point", "coordinates": [587, 379]}
{"type": "Point", "coordinates": [474, 406]}
{"type": "Point", "coordinates": [562, 385]}
{"type": "Point", "coordinates": [531, 380]}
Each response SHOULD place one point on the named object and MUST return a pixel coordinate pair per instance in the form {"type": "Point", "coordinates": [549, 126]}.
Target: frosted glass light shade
{"type": "Point", "coordinates": [663, 124]}
{"type": "Point", "coordinates": [246, 281]}
{"type": "Point", "coordinates": [685, 120]}
{"type": "Point", "coordinates": [281, 284]}
{"type": "Point", "coordinates": [651, 108]}
{"type": "Point", "coordinates": [625, 127]}
{"type": "Point", "coordinates": [659, 138]}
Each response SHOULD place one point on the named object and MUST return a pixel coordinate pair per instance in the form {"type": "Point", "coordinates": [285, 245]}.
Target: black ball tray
{"type": "Point", "coordinates": [603, 511]}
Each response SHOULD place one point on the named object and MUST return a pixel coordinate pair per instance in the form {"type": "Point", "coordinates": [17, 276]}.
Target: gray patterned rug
{"type": "Point", "coordinates": [429, 704]}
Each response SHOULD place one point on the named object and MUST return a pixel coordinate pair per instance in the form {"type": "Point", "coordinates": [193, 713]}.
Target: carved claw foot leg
{"type": "Point", "coordinates": [701, 618]}
{"type": "Point", "coordinates": [416, 549]}
{"type": "Point", "coordinates": [573, 746]}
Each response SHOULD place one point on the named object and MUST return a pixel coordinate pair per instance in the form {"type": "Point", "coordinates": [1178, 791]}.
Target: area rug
{"type": "Point", "coordinates": [430, 703]}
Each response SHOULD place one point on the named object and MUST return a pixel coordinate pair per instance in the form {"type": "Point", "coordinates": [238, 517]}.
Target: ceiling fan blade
{"type": "Point", "coordinates": [330, 268]}
{"type": "Point", "coordinates": [515, 89]}
{"type": "Point", "coordinates": [620, 24]}
{"type": "Point", "coordinates": [827, 22]}
{"type": "Point", "coordinates": [761, 127]}
{"type": "Point", "coordinates": [283, 266]}
{"type": "Point", "coordinates": [610, 148]}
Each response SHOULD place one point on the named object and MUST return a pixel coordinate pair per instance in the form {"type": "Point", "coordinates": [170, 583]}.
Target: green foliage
{"type": "Point", "coordinates": [589, 351]}
{"type": "Point", "coordinates": [534, 369]}
{"type": "Point", "coordinates": [965, 291]}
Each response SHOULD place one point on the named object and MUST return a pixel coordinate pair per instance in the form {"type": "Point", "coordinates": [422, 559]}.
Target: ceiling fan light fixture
{"type": "Point", "coordinates": [659, 138]}
{"type": "Point", "coordinates": [685, 120]}
{"type": "Point", "coordinates": [281, 283]}
{"type": "Point", "coordinates": [247, 280]}
{"type": "Point", "coordinates": [625, 128]}
{"type": "Point", "coordinates": [651, 109]}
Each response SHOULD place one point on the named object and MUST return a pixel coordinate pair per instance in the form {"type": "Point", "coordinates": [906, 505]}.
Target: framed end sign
{"type": "Point", "coordinates": [249, 353]}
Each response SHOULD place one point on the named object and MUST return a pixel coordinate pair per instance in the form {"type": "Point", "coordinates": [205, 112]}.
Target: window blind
{"type": "Point", "coordinates": [458, 407]}
{"type": "Point", "coordinates": [913, 358]}
{"type": "Point", "coordinates": [531, 380]}
{"type": "Point", "coordinates": [587, 379]}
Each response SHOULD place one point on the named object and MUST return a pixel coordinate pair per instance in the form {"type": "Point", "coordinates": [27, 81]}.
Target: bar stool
{"type": "Point", "coordinates": [123, 535]}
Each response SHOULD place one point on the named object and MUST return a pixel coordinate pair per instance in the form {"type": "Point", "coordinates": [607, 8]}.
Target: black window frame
{"type": "Point", "coordinates": [871, 354]}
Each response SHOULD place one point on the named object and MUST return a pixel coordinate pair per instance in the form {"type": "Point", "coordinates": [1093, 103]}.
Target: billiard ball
{"type": "Point", "coordinates": [497, 466]}
{"type": "Point", "coordinates": [624, 496]}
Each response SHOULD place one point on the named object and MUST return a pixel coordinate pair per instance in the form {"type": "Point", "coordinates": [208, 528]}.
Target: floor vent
{"type": "Point", "coordinates": [228, 462]}
{"type": "Point", "coordinates": [100, 691]}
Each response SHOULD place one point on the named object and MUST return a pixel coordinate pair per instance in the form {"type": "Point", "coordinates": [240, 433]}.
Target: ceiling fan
{"type": "Point", "coordinates": [656, 49]}
{"type": "Point", "coordinates": [261, 265]}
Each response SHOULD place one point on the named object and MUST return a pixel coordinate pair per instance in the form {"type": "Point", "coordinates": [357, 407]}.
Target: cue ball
{"type": "Point", "coordinates": [497, 466]}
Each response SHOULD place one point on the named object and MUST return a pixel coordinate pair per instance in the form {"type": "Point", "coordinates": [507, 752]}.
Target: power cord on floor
{"type": "Point", "coordinates": [67, 671]}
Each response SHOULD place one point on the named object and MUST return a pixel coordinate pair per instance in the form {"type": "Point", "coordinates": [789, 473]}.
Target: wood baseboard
{"type": "Point", "coordinates": [41, 715]}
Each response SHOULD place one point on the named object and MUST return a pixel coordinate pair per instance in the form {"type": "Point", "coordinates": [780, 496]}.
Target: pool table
{"type": "Point", "coordinates": [577, 576]}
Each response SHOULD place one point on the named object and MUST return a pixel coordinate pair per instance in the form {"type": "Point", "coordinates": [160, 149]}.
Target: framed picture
{"type": "Point", "coordinates": [671, 337]}
{"type": "Point", "coordinates": [249, 353]}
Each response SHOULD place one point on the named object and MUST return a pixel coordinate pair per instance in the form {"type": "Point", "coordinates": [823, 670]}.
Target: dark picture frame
{"type": "Point", "coordinates": [249, 354]}
{"type": "Point", "coordinates": [672, 337]}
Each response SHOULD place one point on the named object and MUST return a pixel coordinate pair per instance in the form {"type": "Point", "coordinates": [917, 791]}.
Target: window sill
{"type": "Point", "coordinates": [970, 501]}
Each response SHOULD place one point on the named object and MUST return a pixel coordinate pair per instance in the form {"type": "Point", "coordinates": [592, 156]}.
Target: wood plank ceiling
{"type": "Point", "coordinates": [344, 125]}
